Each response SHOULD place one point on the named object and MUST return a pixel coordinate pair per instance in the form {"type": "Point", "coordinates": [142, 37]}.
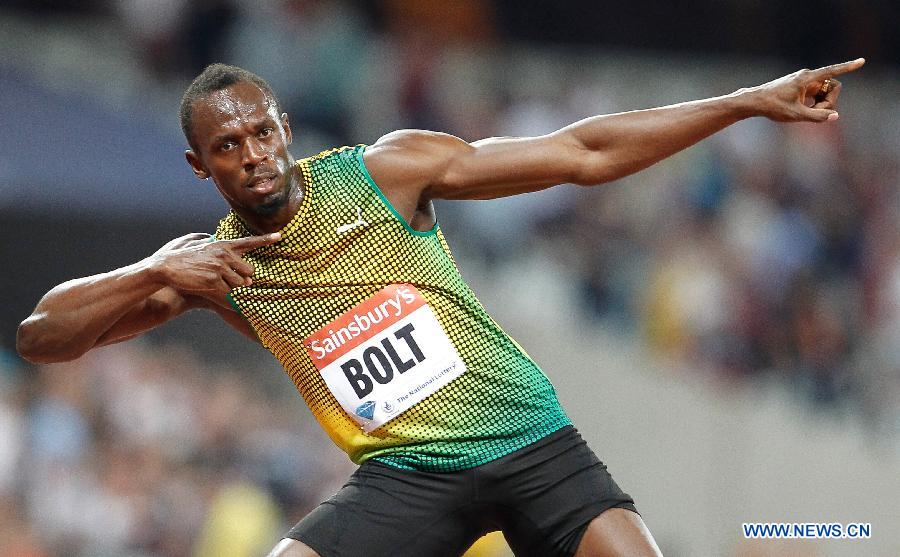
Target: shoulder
{"type": "Point", "coordinates": [413, 157]}
{"type": "Point", "coordinates": [231, 227]}
{"type": "Point", "coordinates": [417, 139]}
{"type": "Point", "coordinates": [421, 145]}
{"type": "Point", "coordinates": [406, 163]}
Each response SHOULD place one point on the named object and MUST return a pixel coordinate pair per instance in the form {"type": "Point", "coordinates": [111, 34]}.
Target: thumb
{"type": "Point", "coordinates": [818, 114]}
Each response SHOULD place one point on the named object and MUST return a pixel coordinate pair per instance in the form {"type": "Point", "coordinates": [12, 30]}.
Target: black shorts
{"type": "Point", "coordinates": [541, 497]}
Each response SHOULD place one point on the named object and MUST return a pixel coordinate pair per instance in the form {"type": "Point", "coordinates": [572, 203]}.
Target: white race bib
{"type": "Point", "coordinates": [384, 355]}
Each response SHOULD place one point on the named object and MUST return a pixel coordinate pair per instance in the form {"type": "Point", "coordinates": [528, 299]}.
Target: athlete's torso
{"type": "Point", "coordinates": [347, 259]}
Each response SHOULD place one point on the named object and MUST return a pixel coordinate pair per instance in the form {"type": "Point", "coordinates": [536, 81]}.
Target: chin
{"type": "Point", "coordinates": [272, 203]}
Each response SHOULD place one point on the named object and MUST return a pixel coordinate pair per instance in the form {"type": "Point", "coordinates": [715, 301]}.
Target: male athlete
{"type": "Point", "coordinates": [335, 263]}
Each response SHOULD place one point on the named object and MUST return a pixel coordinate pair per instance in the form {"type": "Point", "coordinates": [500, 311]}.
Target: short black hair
{"type": "Point", "coordinates": [215, 78]}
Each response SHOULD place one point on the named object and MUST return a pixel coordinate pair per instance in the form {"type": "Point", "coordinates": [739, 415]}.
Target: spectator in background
{"type": "Point", "coordinates": [167, 473]}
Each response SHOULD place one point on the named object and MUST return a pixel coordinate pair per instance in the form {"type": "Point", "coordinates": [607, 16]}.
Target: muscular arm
{"type": "Point", "coordinates": [72, 317]}
{"type": "Point", "coordinates": [165, 305]}
{"type": "Point", "coordinates": [84, 313]}
{"type": "Point", "coordinates": [413, 167]}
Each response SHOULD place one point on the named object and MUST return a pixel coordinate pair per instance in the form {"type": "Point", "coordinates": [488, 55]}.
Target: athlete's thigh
{"type": "Point", "coordinates": [554, 489]}
{"type": "Point", "coordinates": [382, 511]}
{"type": "Point", "coordinates": [618, 533]}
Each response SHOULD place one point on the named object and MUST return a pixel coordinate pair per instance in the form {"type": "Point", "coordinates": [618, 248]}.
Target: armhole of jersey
{"type": "Point", "coordinates": [233, 304]}
{"type": "Point", "coordinates": [384, 200]}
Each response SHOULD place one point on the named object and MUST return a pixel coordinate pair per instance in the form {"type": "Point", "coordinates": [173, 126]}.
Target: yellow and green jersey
{"type": "Point", "coordinates": [328, 299]}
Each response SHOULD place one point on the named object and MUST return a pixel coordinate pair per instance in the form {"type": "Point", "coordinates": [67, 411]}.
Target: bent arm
{"type": "Point", "coordinates": [78, 314]}
{"type": "Point", "coordinates": [165, 305]}
{"type": "Point", "coordinates": [87, 313]}
{"type": "Point", "coordinates": [188, 272]}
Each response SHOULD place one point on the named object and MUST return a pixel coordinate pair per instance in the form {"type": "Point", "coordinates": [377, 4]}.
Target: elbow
{"type": "Point", "coordinates": [584, 165]}
{"type": "Point", "coordinates": [591, 177]}
{"type": "Point", "coordinates": [27, 341]}
{"type": "Point", "coordinates": [38, 347]}
{"type": "Point", "coordinates": [589, 180]}
{"type": "Point", "coordinates": [592, 171]}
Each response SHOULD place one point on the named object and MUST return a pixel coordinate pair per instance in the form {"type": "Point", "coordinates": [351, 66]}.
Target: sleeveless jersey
{"type": "Point", "coordinates": [346, 245]}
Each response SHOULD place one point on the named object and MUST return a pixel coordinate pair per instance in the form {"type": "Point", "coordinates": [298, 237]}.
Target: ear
{"type": "Point", "coordinates": [196, 165]}
{"type": "Point", "coordinates": [287, 127]}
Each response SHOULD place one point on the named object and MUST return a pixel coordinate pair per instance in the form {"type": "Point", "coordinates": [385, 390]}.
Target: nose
{"type": "Point", "coordinates": [252, 154]}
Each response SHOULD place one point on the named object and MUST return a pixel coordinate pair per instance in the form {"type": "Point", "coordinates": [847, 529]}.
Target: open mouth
{"type": "Point", "coordinates": [263, 183]}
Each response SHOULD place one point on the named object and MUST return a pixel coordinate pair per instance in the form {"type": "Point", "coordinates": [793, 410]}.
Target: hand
{"type": "Point", "coordinates": [798, 97]}
{"type": "Point", "coordinates": [194, 265]}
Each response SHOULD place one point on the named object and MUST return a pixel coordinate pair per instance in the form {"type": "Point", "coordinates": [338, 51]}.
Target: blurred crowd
{"type": "Point", "coordinates": [141, 450]}
{"type": "Point", "coordinates": [767, 252]}
{"type": "Point", "coordinates": [775, 251]}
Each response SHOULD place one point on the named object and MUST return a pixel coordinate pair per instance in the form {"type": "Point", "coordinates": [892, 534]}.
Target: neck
{"type": "Point", "coordinates": [265, 224]}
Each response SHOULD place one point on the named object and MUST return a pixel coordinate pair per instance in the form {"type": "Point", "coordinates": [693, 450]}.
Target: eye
{"type": "Point", "coordinates": [266, 132]}
{"type": "Point", "coordinates": [228, 146]}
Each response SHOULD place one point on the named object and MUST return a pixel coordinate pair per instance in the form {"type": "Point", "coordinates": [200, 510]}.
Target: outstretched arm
{"type": "Point", "coordinates": [413, 167]}
{"type": "Point", "coordinates": [188, 272]}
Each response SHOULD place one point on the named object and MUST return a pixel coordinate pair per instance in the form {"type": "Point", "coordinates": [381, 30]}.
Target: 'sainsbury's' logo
{"type": "Point", "coordinates": [359, 222]}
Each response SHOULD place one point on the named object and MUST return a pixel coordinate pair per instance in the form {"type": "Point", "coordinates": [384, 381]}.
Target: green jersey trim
{"type": "Point", "coordinates": [374, 186]}
{"type": "Point", "coordinates": [233, 304]}
{"type": "Point", "coordinates": [228, 297]}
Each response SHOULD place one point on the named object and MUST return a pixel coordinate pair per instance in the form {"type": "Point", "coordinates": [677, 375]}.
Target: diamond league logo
{"type": "Point", "coordinates": [366, 410]}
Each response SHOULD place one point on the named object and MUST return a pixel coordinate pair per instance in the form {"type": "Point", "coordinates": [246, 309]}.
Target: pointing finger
{"type": "Point", "coordinates": [243, 245]}
{"type": "Point", "coordinates": [838, 69]}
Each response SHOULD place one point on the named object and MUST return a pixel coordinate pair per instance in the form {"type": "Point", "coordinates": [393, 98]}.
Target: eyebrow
{"type": "Point", "coordinates": [261, 123]}
{"type": "Point", "coordinates": [223, 138]}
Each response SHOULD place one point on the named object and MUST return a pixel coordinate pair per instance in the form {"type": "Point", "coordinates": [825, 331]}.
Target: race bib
{"type": "Point", "coordinates": [384, 355]}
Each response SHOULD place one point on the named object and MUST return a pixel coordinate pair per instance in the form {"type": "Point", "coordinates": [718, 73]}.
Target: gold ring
{"type": "Point", "coordinates": [826, 86]}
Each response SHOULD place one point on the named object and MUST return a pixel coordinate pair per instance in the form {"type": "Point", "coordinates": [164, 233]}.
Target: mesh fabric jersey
{"type": "Point", "coordinates": [502, 402]}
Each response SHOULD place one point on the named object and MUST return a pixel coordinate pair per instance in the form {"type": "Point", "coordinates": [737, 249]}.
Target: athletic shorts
{"type": "Point", "coordinates": [541, 497]}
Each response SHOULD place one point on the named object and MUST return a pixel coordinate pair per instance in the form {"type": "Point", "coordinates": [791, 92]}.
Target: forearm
{"type": "Point", "coordinates": [69, 320]}
{"type": "Point", "coordinates": [616, 145]}
{"type": "Point", "coordinates": [102, 309]}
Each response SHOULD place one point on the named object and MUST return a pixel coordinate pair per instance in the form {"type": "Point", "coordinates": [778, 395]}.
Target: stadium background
{"type": "Point", "coordinates": [723, 328]}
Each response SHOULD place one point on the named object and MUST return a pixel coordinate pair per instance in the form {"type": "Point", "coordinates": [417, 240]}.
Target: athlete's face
{"type": "Point", "coordinates": [241, 143]}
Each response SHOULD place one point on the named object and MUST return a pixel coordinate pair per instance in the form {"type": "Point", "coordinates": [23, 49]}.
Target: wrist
{"type": "Point", "coordinates": [745, 102]}
{"type": "Point", "coordinates": [154, 270]}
